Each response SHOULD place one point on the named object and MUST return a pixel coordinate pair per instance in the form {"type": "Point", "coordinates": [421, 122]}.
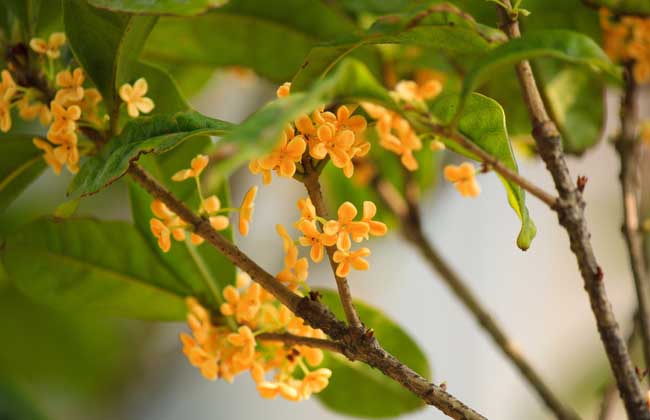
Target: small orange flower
{"type": "Point", "coordinates": [337, 145]}
{"type": "Point", "coordinates": [161, 232]}
{"type": "Point", "coordinates": [197, 165]}
{"type": "Point", "coordinates": [346, 226]}
{"type": "Point", "coordinates": [7, 86]}
{"type": "Point", "coordinates": [345, 120]}
{"type": "Point", "coordinates": [315, 381]}
{"type": "Point", "coordinates": [315, 239]}
{"type": "Point", "coordinates": [71, 86]}
{"type": "Point", "coordinates": [5, 116]}
{"type": "Point", "coordinates": [295, 270]}
{"type": "Point", "coordinates": [48, 154]}
{"type": "Point", "coordinates": [437, 145]}
{"type": "Point", "coordinates": [255, 168]}
{"type": "Point", "coordinates": [51, 47]}
{"type": "Point", "coordinates": [284, 90]}
{"type": "Point", "coordinates": [347, 260]}
{"type": "Point", "coordinates": [246, 210]}
{"type": "Point", "coordinates": [375, 228]}
{"type": "Point", "coordinates": [29, 111]}
{"type": "Point", "coordinates": [285, 155]}
{"type": "Point", "coordinates": [409, 90]}
{"type": "Point", "coordinates": [464, 179]}
{"type": "Point", "coordinates": [134, 98]}
{"type": "Point", "coordinates": [307, 210]}
{"type": "Point", "coordinates": [65, 121]}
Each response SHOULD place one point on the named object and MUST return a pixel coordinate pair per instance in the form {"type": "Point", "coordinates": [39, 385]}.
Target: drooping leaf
{"type": "Point", "coordinates": [155, 134]}
{"type": "Point", "coordinates": [159, 7]}
{"type": "Point", "coordinates": [107, 45]}
{"type": "Point", "coordinates": [262, 36]}
{"type": "Point", "coordinates": [350, 82]}
{"type": "Point", "coordinates": [564, 45]}
{"type": "Point", "coordinates": [483, 122]}
{"type": "Point", "coordinates": [104, 267]}
{"type": "Point", "coordinates": [356, 389]}
{"type": "Point", "coordinates": [20, 164]}
{"type": "Point", "coordinates": [447, 33]}
{"type": "Point", "coordinates": [632, 7]}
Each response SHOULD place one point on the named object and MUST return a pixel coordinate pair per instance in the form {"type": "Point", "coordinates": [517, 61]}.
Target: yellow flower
{"type": "Point", "coordinates": [285, 155]}
{"type": "Point", "coordinates": [255, 168]}
{"type": "Point", "coordinates": [65, 122]}
{"type": "Point", "coordinates": [284, 90]}
{"type": "Point", "coordinates": [375, 228]}
{"type": "Point", "coordinates": [162, 233]}
{"type": "Point", "coordinates": [315, 239]}
{"type": "Point", "coordinates": [197, 165]}
{"type": "Point", "coordinates": [645, 132]}
{"type": "Point", "coordinates": [48, 154]}
{"type": "Point", "coordinates": [437, 145]}
{"type": "Point", "coordinates": [29, 111]}
{"type": "Point", "coordinates": [346, 226]}
{"type": "Point", "coordinates": [5, 116]}
{"type": "Point", "coordinates": [314, 382]}
{"type": "Point", "coordinates": [307, 210]}
{"type": "Point", "coordinates": [464, 179]}
{"type": "Point", "coordinates": [51, 47]}
{"type": "Point", "coordinates": [337, 145]}
{"type": "Point", "coordinates": [134, 98]}
{"type": "Point", "coordinates": [295, 270]}
{"type": "Point", "coordinates": [409, 90]}
{"type": "Point", "coordinates": [7, 86]}
{"type": "Point", "coordinates": [246, 210]}
{"type": "Point", "coordinates": [71, 86]}
{"type": "Point", "coordinates": [347, 260]}
{"type": "Point", "coordinates": [345, 120]}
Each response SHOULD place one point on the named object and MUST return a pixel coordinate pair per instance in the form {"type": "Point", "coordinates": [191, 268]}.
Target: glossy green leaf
{"type": "Point", "coordinates": [350, 82]}
{"type": "Point", "coordinates": [155, 134]}
{"type": "Point", "coordinates": [78, 265]}
{"type": "Point", "coordinates": [263, 36]}
{"type": "Point", "coordinates": [445, 33]}
{"type": "Point", "coordinates": [20, 164]}
{"type": "Point", "coordinates": [159, 7]}
{"type": "Point", "coordinates": [633, 7]}
{"type": "Point", "coordinates": [26, 11]}
{"type": "Point", "coordinates": [564, 45]}
{"type": "Point", "coordinates": [483, 122]}
{"type": "Point", "coordinates": [107, 46]}
{"type": "Point", "coordinates": [576, 100]}
{"type": "Point", "coordinates": [356, 389]}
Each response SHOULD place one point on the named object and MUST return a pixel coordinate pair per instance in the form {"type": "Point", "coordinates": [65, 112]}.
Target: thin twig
{"type": "Point", "coordinates": [629, 150]}
{"type": "Point", "coordinates": [297, 340]}
{"type": "Point", "coordinates": [494, 163]}
{"type": "Point", "coordinates": [312, 184]}
{"type": "Point", "coordinates": [570, 210]}
{"type": "Point", "coordinates": [363, 347]}
{"type": "Point", "coordinates": [408, 212]}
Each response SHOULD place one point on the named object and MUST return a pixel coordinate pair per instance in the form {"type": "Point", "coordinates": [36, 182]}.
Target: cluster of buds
{"type": "Point", "coordinates": [61, 102]}
{"type": "Point", "coordinates": [627, 39]}
{"type": "Point", "coordinates": [222, 351]}
{"type": "Point", "coordinates": [167, 224]}
{"type": "Point", "coordinates": [337, 136]}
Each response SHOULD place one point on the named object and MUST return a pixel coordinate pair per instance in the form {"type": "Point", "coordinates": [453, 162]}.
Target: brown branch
{"type": "Point", "coordinates": [494, 163]}
{"type": "Point", "coordinates": [355, 345]}
{"type": "Point", "coordinates": [297, 340]}
{"type": "Point", "coordinates": [570, 210]}
{"type": "Point", "coordinates": [312, 184]}
{"type": "Point", "coordinates": [629, 150]}
{"type": "Point", "coordinates": [610, 393]}
{"type": "Point", "coordinates": [408, 213]}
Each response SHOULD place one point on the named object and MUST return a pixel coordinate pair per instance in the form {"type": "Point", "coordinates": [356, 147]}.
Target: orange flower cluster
{"type": "Point", "coordinates": [340, 232]}
{"type": "Point", "coordinates": [220, 352]}
{"type": "Point", "coordinates": [337, 136]}
{"type": "Point", "coordinates": [627, 39]}
{"type": "Point", "coordinates": [395, 133]}
{"type": "Point", "coordinates": [166, 224]}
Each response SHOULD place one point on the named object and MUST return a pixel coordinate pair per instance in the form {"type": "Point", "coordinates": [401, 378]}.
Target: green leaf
{"type": "Point", "coordinates": [576, 100]}
{"type": "Point", "coordinates": [107, 45]}
{"type": "Point", "coordinates": [356, 389]}
{"type": "Point", "coordinates": [26, 11]}
{"type": "Point", "coordinates": [15, 405]}
{"type": "Point", "coordinates": [633, 7]}
{"type": "Point", "coordinates": [262, 36]}
{"type": "Point", "coordinates": [350, 82]}
{"type": "Point", "coordinates": [483, 122]}
{"type": "Point", "coordinates": [81, 265]}
{"type": "Point", "coordinates": [565, 45]}
{"type": "Point", "coordinates": [159, 7]}
{"type": "Point", "coordinates": [156, 134]}
{"type": "Point", "coordinates": [20, 164]}
{"type": "Point", "coordinates": [444, 32]}
{"type": "Point", "coordinates": [67, 208]}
